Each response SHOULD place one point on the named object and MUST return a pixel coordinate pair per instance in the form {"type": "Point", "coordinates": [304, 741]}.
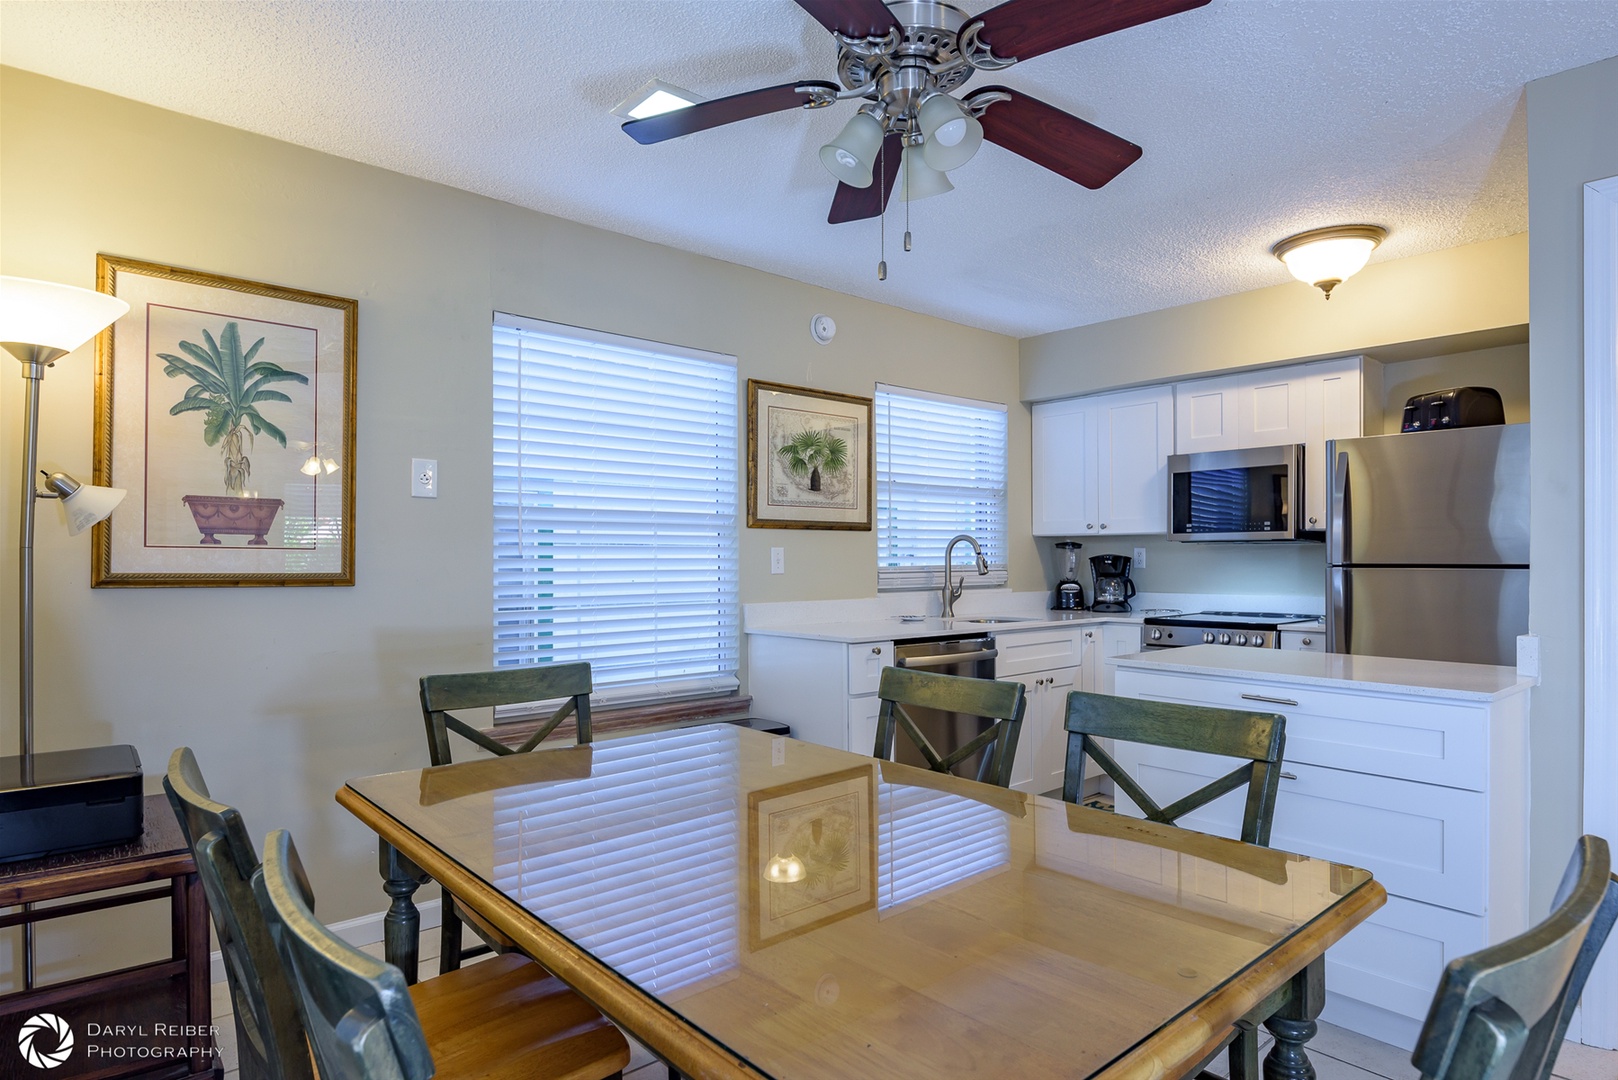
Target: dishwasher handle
{"type": "Point", "coordinates": [929, 660]}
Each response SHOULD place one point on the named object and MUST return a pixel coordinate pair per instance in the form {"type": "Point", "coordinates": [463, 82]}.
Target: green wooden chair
{"type": "Point", "coordinates": [1258, 737]}
{"type": "Point", "coordinates": [269, 1033]}
{"type": "Point", "coordinates": [503, 1019]}
{"type": "Point", "coordinates": [483, 690]}
{"type": "Point", "coordinates": [1501, 1013]}
{"type": "Point", "coordinates": [1002, 702]}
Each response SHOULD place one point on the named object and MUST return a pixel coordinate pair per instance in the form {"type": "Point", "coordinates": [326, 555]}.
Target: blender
{"type": "Point", "coordinates": [1112, 585]}
{"type": "Point", "coordinates": [1069, 595]}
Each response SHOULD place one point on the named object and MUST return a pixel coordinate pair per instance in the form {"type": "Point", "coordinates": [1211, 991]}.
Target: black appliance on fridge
{"type": "Point", "coordinates": [1427, 544]}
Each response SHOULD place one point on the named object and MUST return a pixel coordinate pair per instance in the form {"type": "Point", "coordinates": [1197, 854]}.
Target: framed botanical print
{"type": "Point", "coordinates": [808, 458]}
{"type": "Point", "coordinates": [811, 848]}
{"type": "Point", "coordinates": [226, 409]}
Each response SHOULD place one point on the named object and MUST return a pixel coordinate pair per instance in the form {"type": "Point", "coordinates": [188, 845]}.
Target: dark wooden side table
{"type": "Point", "coordinates": [152, 1021]}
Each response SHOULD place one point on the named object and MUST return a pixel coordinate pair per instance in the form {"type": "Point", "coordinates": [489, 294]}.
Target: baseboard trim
{"type": "Point", "coordinates": [365, 930]}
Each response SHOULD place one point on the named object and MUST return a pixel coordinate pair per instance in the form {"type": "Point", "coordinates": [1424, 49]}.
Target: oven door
{"type": "Point", "coordinates": [1235, 494]}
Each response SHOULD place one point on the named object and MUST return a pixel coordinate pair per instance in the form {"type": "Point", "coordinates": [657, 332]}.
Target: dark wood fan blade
{"type": "Point", "coordinates": [725, 110]}
{"type": "Point", "coordinates": [852, 18]}
{"type": "Point", "coordinates": [1061, 142]}
{"type": "Point", "coordinates": [1020, 29]}
{"type": "Point", "coordinates": [858, 203]}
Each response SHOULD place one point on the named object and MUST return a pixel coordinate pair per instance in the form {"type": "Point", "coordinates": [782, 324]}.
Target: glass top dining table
{"type": "Point", "coordinates": [755, 906]}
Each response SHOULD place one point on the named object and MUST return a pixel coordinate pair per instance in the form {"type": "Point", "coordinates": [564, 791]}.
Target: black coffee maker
{"type": "Point", "coordinates": [1069, 595]}
{"type": "Point", "coordinates": [1112, 585]}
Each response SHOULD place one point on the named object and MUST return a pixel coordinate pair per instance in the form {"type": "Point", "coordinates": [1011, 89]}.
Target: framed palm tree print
{"type": "Point", "coordinates": [808, 458]}
{"type": "Point", "coordinates": [225, 408]}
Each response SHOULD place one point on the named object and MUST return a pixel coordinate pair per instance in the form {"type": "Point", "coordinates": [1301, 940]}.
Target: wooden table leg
{"type": "Point", "coordinates": [401, 926]}
{"type": "Point", "coordinates": [1293, 1024]}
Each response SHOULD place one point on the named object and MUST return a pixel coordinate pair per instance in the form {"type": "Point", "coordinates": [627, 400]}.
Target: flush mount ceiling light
{"type": "Point", "coordinates": [654, 99]}
{"type": "Point", "coordinates": [1325, 258]}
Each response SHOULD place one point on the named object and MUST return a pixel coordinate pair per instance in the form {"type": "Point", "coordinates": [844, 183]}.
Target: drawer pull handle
{"type": "Point", "coordinates": [1289, 776]}
{"type": "Point", "coordinates": [1270, 700]}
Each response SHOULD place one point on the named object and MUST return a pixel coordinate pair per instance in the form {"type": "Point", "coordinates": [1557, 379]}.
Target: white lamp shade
{"type": "Point", "coordinates": [89, 504]}
{"type": "Point", "coordinates": [55, 316]}
{"type": "Point", "coordinates": [920, 180]}
{"type": "Point", "coordinates": [852, 155]}
{"type": "Point", "coordinates": [1329, 260]}
{"type": "Point", "coordinates": [953, 134]}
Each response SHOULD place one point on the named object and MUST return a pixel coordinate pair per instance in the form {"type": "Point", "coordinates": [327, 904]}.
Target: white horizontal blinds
{"type": "Point", "coordinates": [928, 839]}
{"type": "Point", "coordinates": [940, 471]}
{"type": "Point", "coordinates": [637, 864]}
{"type": "Point", "coordinates": [615, 538]}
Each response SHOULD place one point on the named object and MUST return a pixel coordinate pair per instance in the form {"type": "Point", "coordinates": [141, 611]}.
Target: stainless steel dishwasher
{"type": "Point", "coordinates": [971, 657]}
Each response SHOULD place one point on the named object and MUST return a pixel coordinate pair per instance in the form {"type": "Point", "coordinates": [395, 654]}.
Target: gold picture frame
{"type": "Point", "coordinates": [809, 458]}
{"type": "Point", "coordinates": [225, 408]}
{"type": "Point", "coordinates": [828, 825]}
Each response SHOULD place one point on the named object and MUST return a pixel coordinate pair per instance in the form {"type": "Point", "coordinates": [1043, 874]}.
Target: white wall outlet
{"type": "Point", "coordinates": [1528, 656]}
{"type": "Point", "coordinates": [778, 560]}
{"type": "Point", "coordinates": [778, 750]}
{"type": "Point", "coordinates": [1140, 559]}
{"type": "Point", "coordinates": [423, 478]}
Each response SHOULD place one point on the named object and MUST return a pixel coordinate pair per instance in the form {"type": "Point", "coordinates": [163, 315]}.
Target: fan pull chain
{"type": "Point", "coordinates": [882, 215]}
{"type": "Point", "coordinates": [907, 201]}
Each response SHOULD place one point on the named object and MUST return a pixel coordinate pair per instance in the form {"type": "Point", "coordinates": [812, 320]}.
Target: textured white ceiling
{"type": "Point", "coordinates": [1258, 119]}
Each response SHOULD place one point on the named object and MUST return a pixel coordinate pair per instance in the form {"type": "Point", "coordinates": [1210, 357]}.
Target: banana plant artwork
{"type": "Point", "coordinates": [228, 386]}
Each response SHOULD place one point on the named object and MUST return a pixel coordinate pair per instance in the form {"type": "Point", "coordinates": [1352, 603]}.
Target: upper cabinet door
{"type": "Point", "coordinates": [1134, 437]}
{"type": "Point", "coordinates": [1334, 409]}
{"type": "Point", "coordinates": [1205, 415]}
{"type": "Point", "coordinates": [1063, 467]}
{"type": "Point", "coordinates": [1270, 408]}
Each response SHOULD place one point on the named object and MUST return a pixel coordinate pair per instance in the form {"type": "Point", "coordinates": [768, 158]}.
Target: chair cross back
{"type": "Point", "coordinates": [509, 686]}
{"type": "Point", "coordinates": [1003, 702]}
{"type": "Point", "coordinates": [1258, 737]}
{"type": "Point", "coordinates": [357, 1012]}
{"type": "Point", "coordinates": [271, 1046]}
{"type": "Point", "coordinates": [1501, 1013]}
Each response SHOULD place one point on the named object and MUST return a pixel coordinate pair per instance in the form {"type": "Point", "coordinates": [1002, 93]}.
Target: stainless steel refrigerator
{"type": "Point", "coordinates": [1427, 544]}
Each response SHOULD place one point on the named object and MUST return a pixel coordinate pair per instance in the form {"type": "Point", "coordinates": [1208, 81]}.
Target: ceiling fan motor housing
{"type": "Point", "coordinates": [907, 66]}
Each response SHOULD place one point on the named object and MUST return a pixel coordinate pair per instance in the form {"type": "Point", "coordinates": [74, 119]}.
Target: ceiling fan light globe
{"type": "Point", "coordinates": [919, 180]}
{"type": "Point", "coordinates": [953, 134]}
{"type": "Point", "coordinates": [852, 155]}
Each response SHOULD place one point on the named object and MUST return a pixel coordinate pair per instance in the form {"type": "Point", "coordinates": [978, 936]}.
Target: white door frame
{"type": "Point", "coordinates": [1600, 1011]}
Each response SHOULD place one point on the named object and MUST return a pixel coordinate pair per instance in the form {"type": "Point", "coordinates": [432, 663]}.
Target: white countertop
{"type": "Point", "coordinates": [1429, 678]}
{"type": "Point", "coordinates": [910, 628]}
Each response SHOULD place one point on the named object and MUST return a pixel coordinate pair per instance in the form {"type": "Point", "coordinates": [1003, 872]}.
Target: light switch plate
{"type": "Point", "coordinates": [778, 750]}
{"type": "Point", "coordinates": [778, 560]}
{"type": "Point", "coordinates": [423, 478]}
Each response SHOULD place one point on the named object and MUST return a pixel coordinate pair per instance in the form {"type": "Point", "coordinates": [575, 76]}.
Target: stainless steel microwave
{"type": "Point", "coordinates": [1236, 494]}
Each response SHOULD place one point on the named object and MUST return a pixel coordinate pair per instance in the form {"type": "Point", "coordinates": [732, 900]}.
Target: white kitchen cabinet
{"type": "Point", "coordinates": [825, 690]}
{"type": "Point", "coordinates": [1100, 641]}
{"type": "Point", "coordinates": [1303, 640]}
{"type": "Point", "coordinates": [1048, 663]}
{"type": "Point", "coordinates": [1297, 403]}
{"type": "Point", "coordinates": [1426, 790]}
{"type": "Point", "coordinates": [1100, 463]}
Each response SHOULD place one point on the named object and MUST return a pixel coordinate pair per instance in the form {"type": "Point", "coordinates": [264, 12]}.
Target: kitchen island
{"type": "Point", "coordinates": [1416, 770]}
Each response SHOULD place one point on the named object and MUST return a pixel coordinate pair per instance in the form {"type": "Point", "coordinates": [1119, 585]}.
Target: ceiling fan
{"type": "Point", "coordinates": [905, 58]}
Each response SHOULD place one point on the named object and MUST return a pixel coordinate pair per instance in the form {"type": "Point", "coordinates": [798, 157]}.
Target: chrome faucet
{"type": "Point", "coordinates": [952, 593]}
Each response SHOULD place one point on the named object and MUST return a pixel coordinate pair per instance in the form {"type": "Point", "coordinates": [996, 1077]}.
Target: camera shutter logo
{"type": "Point", "coordinates": [45, 1040]}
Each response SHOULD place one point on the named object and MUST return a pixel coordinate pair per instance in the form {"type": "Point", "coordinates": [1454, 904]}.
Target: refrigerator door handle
{"type": "Point", "coordinates": [1340, 624]}
{"type": "Point", "coordinates": [1338, 535]}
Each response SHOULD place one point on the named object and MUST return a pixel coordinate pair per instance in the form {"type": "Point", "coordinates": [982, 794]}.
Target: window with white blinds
{"type": "Point", "coordinates": [615, 538]}
{"type": "Point", "coordinates": [638, 863]}
{"type": "Point", "coordinates": [928, 839]}
{"type": "Point", "coordinates": [940, 471]}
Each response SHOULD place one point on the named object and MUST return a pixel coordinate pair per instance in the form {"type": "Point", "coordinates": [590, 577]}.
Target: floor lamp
{"type": "Point", "coordinates": [62, 804]}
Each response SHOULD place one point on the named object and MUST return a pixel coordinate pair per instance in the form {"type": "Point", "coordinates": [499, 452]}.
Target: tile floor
{"type": "Point", "coordinates": [1337, 1054]}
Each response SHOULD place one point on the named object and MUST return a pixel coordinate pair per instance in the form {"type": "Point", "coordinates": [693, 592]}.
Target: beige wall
{"type": "Point", "coordinates": [284, 693]}
{"type": "Point", "coordinates": [1572, 140]}
{"type": "Point", "coordinates": [1443, 294]}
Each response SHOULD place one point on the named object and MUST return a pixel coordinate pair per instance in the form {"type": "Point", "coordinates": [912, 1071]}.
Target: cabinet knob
{"type": "Point", "coordinates": [1103, 524]}
{"type": "Point", "coordinates": [1313, 521]}
{"type": "Point", "coordinates": [1087, 525]}
{"type": "Point", "coordinates": [1309, 640]}
{"type": "Point", "coordinates": [876, 650]}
